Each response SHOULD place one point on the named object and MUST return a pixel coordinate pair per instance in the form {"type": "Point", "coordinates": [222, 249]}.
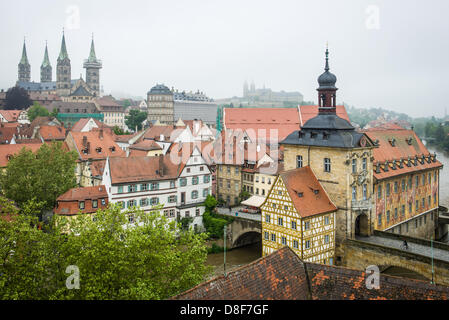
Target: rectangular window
{"type": "Point", "coordinates": [395, 213]}
{"type": "Point", "coordinates": [171, 199]}
{"type": "Point", "coordinates": [183, 182]}
{"type": "Point", "coordinates": [403, 185]}
{"type": "Point", "coordinates": [144, 187]}
{"type": "Point", "coordinates": [81, 205]}
{"type": "Point", "coordinates": [298, 161]}
{"type": "Point", "coordinates": [280, 222]}
{"type": "Point", "coordinates": [236, 170]}
{"type": "Point", "coordinates": [354, 165]}
{"type": "Point", "coordinates": [307, 226]}
{"type": "Point", "coordinates": [388, 189]}
{"type": "Point", "coordinates": [379, 192]}
{"type": "Point", "coordinates": [205, 192]}
{"type": "Point", "coordinates": [388, 216]}
{"type": "Point", "coordinates": [132, 188]}
{"type": "Point", "coordinates": [354, 193]}
{"type": "Point", "coordinates": [307, 244]}
{"type": "Point", "coordinates": [327, 165]}
{"type": "Point", "coordinates": [326, 239]}
{"type": "Point", "coordinates": [273, 237]}
{"type": "Point", "coordinates": [94, 203]}
{"type": "Point", "coordinates": [172, 184]}
{"type": "Point", "coordinates": [364, 164]}
{"type": "Point", "coordinates": [395, 187]}
{"type": "Point", "coordinates": [267, 218]}
{"type": "Point", "coordinates": [379, 220]}
{"type": "Point", "coordinates": [284, 240]}
{"type": "Point", "coordinates": [365, 192]}
{"type": "Point", "coordinates": [294, 225]}
{"type": "Point", "coordinates": [295, 244]}
{"type": "Point", "coordinates": [403, 210]}
{"type": "Point", "coordinates": [266, 235]}
{"type": "Point", "coordinates": [423, 203]}
{"type": "Point", "coordinates": [195, 180]}
{"type": "Point", "coordinates": [417, 205]}
{"type": "Point", "coordinates": [417, 181]}
{"type": "Point", "coordinates": [120, 189]}
{"type": "Point", "coordinates": [326, 220]}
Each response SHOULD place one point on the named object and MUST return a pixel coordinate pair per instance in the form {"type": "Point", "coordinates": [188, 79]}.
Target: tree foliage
{"type": "Point", "coordinates": [43, 175]}
{"type": "Point", "coordinates": [152, 259]}
{"type": "Point", "coordinates": [17, 98]}
{"type": "Point", "coordinates": [135, 119]}
{"type": "Point", "coordinates": [37, 111]}
{"type": "Point", "coordinates": [215, 223]}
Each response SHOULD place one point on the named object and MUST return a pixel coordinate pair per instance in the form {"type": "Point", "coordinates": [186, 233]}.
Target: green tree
{"type": "Point", "coordinates": [37, 111]}
{"type": "Point", "coordinates": [17, 98]}
{"type": "Point", "coordinates": [43, 175]}
{"type": "Point", "coordinates": [210, 203]}
{"type": "Point", "coordinates": [135, 119]}
{"type": "Point", "coordinates": [244, 195]}
{"type": "Point", "coordinates": [154, 259]}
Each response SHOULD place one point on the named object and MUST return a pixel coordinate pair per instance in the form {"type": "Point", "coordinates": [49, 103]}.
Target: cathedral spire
{"type": "Point", "coordinates": [24, 60]}
{"type": "Point", "coordinates": [63, 54]}
{"type": "Point", "coordinates": [92, 56]}
{"type": "Point", "coordinates": [46, 61]}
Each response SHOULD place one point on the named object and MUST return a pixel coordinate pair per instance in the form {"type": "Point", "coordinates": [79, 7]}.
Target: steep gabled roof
{"type": "Point", "coordinates": [95, 146]}
{"type": "Point", "coordinates": [140, 169]}
{"type": "Point", "coordinates": [8, 150]}
{"type": "Point", "coordinates": [398, 145]}
{"type": "Point", "coordinates": [306, 192]}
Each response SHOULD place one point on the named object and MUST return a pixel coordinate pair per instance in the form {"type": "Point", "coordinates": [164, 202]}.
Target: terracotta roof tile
{"type": "Point", "coordinates": [68, 203]}
{"type": "Point", "coordinates": [8, 150]}
{"type": "Point", "coordinates": [306, 193]}
{"type": "Point", "coordinates": [394, 145]}
{"type": "Point", "coordinates": [283, 276]}
{"type": "Point", "coordinates": [52, 132]}
{"type": "Point", "coordinates": [90, 145]}
{"type": "Point", "coordinates": [136, 169]}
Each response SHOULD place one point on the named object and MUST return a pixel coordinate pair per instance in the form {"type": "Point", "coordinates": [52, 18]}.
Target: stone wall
{"type": "Point", "coordinates": [359, 255]}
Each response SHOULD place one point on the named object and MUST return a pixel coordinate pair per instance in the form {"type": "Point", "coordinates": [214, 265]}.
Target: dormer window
{"type": "Point", "coordinates": [326, 136]}
{"type": "Point", "coordinates": [313, 135]}
{"type": "Point", "coordinates": [392, 142]}
{"type": "Point", "coordinates": [386, 166]}
{"type": "Point", "coordinates": [98, 149]}
{"type": "Point", "coordinates": [300, 194]}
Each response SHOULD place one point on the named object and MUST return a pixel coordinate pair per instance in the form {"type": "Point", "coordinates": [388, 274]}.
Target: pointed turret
{"type": "Point", "coordinates": [93, 66]}
{"type": "Point", "coordinates": [24, 66]}
{"type": "Point", "coordinates": [46, 70]}
{"type": "Point", "coordinates": [63, 73]}
{"type": "Point", "coordinates": [63, 53]}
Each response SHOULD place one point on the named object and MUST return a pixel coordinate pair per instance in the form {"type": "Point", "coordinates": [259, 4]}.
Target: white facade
{"type": "Point", "coordinates": [194, 185]}
{"type": "Point", "coordinates": [180, 197]}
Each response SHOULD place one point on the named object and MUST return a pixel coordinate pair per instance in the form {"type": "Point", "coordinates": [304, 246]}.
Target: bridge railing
{"type": "Point", "coordinates": [421, 241]}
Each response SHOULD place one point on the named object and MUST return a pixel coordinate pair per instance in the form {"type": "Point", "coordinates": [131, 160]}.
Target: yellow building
{"type": "Point", "coordinates": [298, 213]}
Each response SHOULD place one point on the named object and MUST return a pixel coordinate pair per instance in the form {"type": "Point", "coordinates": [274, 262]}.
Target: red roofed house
{"type": "Point", "coordinates": [85, 200]}
{"type": "Point", "coordinates": [96, 145]}
{"type": "Point", "coordinates": [8, 150]}
{"type": "Point", "coordinates": [406, 183]}
{"type": "Point", "coordinates": [20, 116]}
{"type": "Point", "coordinates": [298, 213]}
{"type": "Point", "coordinates": [258, 122]}
{"type": "Point", "coordinates": [114, 113]}
{"type": "Point", "coordinates": [180, 183]}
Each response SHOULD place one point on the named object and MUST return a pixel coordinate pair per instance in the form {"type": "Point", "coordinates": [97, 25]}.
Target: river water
{"type": "Point", "coordinates": [242, 256]}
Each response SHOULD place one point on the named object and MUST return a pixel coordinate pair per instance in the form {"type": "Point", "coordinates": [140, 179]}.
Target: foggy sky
{"type": "Point", "coordinates": [214, 46]}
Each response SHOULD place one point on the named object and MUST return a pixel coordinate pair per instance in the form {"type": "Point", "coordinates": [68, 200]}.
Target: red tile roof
{"type": "Point", "coordinates": [136, 169]}
{"type": "Point", "coordinates": [7, 133]}
{"type": "Point", "coordinates": [284, 120]}
{"type": "Point", "coordinates": [68, 203]}
{"type": "Point", "coordinates": [93, 146]}
{"type": "Point", "coordinates": [49, 133]}
{"type": "Point", "coordinates": [155, 132]}
{"type": "Point", "coordinates": [406, 144]}
{"type": "Point", "coordinates": [281, 275]}
{"type": "Point", "coordinates": [97, 168]}
{"type": "Point", "coordinates": [81, 123]}
{"type": "Point", "coordinates": [11, 115]}
{"type": "Point", "coordinates": [146, 145]}
{"type": "Point", "coordinates": [313, 200]}
{"type": "Point", "coordinates": [8, 150]}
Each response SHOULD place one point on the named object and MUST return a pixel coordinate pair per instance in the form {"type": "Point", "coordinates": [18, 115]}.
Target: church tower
{"type": "Point", "coordinates": [24, 66]}
{"type": "Point", "coordinates": [63, 71]}
{"type": "Point", "coordinates": [93, 66]}
{"type": "Point", "coordinates": [46, 70]}
{"type": "Point", "coordinates": [245, 89]}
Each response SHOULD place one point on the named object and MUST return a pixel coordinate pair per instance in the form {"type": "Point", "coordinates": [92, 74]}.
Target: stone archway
{"type": "Point", "coordinates": [247, 238]}
{"type": "Point", "coordinates": [361, 225]}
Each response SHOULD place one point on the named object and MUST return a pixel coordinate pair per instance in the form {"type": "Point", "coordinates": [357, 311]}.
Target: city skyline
{"type": "Point", "coordinates": [215, 47]}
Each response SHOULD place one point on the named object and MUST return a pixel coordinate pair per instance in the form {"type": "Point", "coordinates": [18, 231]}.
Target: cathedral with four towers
{"type": "Point", "coordinates": [67, 88]}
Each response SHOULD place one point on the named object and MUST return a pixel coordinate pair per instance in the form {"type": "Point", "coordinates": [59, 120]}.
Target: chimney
{"type": "Point", "coordinates": [161, 165]}
{"type": "Point", "coordinates": [100, 135]}
{"type": "Point", "coordinates": [88, 147]}
{"type": "Point", "coordinates": [84, 141]}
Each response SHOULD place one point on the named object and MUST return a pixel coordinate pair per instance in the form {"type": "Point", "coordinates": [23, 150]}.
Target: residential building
{"type": "Point", "coordinates": [70, 113]}
{"type": "Point", "coordinates": [113, 113]}
{"type": "Point", "coordinates": [7, 151]}
{"type": "Point", "coordinates": [160, 105]}
{"type": "Point", "coordinates": [406, 183]}
{"type": "Point", "coordinates": [298, 213]}
{"type": "Point", "coordinates": [96, 145]}
{"type": "Point", "coordinates": [81, 201]}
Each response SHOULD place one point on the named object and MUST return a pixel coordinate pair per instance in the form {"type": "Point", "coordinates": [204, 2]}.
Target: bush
{"type": "Point", "coordinates": [215, 249]}
{"type": "Point", "coordinates": [214, 224]}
